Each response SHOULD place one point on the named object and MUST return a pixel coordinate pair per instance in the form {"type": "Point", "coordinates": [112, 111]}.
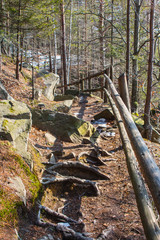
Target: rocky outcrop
{"type": "Point", "coordinates": [66, 127]}
{"type": "Point", "coordinates": [4, 95]}
{"type": "Point", "coordinates": [50, 80]}
{"type": "Point", "coordinates": [15, 124]}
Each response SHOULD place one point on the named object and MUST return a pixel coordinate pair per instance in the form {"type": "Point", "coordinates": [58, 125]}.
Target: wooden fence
{"type": "Point", "coordinates": [139, 160]}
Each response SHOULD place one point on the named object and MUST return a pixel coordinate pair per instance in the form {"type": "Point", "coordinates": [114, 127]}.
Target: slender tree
{"type": "Point", "coordinates": [128, 41]}
{"type": "Point", "coordinates": [147, 124]}
{"type": "Point", "coordinates": [63, 45]}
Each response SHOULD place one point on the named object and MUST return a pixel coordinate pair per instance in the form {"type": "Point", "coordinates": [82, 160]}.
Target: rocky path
{"type": "Point", "coordinates": [112, 214]}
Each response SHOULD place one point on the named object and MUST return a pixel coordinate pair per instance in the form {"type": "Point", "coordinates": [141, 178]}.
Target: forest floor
{"type": "Point", "coordinates": [114, 209]}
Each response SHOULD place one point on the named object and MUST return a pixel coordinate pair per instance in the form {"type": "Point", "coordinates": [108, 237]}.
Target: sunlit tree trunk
{"type": "Point", "coordinates": [147, 124]}
{"type": "Point", "coordinates": [101, 41]}
{"type": "Point", "coordinates": [55, 52]}
{"type": "Point", "coordinates": [128, 41]}
{"type": "Point", "coordinates": [18, 40]}
{"type": "Point", "coordinates": [134, 100]}
{"type": "Point", "coordinates": [111, 69]}
{"type": "Point", "coordinates": [63, 45]}
{"type": "Point", "coordinates": [70, 41]}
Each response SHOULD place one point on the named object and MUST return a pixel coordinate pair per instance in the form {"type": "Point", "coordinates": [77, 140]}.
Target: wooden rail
{"type": "Point", "coordinates": [149, 168]}
{"type": "Point", "coordinates": [149, 221]}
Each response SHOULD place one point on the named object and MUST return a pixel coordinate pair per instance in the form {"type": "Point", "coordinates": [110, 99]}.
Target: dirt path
{"type": "Point", "coordinates": [113, 212]}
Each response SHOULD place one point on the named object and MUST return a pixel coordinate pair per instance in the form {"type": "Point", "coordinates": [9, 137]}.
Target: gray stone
{"type": "Point", "coordinates": [4, 95]}
{"type": "Point", "coordinates": [63, 107]}
{"type": "Point", "coordinates": [66, 127]}
{"type": "Point", "coordinates": [63, 97]}
{"type": "Point", "coordinates": [15, 124]}
{"type": "Point", "coordinates": [50, 80]}
{"type": "Point", "coordinates": [37, 94]}
{"type": "Point", "coordinates": [50, 138]}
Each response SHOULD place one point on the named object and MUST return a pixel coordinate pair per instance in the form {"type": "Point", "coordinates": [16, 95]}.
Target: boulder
{"type": "Point", "coordinates": [140, 125]}
{"type": "Point", "coordinates": [66, 127]}
{"type": "Point", "coordinates": [63, 106]}
{"type": "Point", "coordinates": [4, 95]}
{"type": "Point", "coordinates": [61, 97]}
{"type": "Point", "coordinates": [15, 124]}
{"type": "Point", "coordinates": [50, 80]}
{"type": "Point", "coordinates": [107, 114]}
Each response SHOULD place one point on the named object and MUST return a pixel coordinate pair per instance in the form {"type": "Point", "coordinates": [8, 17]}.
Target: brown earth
{"type": "Point", "coordinates": [114, 209]}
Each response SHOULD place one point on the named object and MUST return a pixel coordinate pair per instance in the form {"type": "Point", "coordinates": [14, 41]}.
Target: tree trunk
{"type": "Point", "coordinates": [55, 52]}
{"type": "Point", "coordinates": [50, 55]}
{"type": "Point", "coordinates": [147, 124]}
{"type": "Point", "coordinates": [134, 101]}
{"type": "Point", "coordinates": [18, 40]}
{"type": "Point", "coordinates": [101, 41]}
{"type": "Point", "coordinates": [128, 41]}
{"type": "Point", "coordinates": [63, 45]}
{"type": "Point", "coordinates": [70, 41]}
{"type": "Point", "coordinates": [111, 70]}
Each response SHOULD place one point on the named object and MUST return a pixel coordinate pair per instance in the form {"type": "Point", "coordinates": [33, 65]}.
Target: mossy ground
{"type": "Point", "coordinates": [11, 165]}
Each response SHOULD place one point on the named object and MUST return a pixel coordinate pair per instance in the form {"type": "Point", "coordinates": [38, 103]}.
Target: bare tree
{"type": "Point", "coordinates": [147, 124]}
{"type": "Point", "coordinates": [63, 45]}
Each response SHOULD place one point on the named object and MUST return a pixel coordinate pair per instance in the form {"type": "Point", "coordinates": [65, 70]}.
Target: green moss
{"type": "Point", "coordinates": [35, 185]}
{"type": "Point", "coordinates": [8, 210]}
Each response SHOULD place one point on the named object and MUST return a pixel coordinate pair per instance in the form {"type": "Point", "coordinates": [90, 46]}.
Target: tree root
{"type": "Point", "coordinates": [78, 170]}
{"type": "Point", "coordinates": [67, 233]}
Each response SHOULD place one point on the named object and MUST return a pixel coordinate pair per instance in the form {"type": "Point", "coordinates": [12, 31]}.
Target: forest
{"type": "Point", "coordinates": [59, 168]}
{"type": "Point", "coordinates": [77, 38]}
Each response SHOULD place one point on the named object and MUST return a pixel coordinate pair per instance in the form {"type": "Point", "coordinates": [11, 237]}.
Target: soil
{"type": "Point", "coordinates": [113, 210]}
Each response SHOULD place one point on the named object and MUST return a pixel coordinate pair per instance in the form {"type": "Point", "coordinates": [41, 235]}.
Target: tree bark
{"type": "Point", "coordinates": [111, 70]}
{"type": "Point", "coordinates": [70, 41]}
{"type": "Point", "coordinates": [134, 101]}
{"type": "Point", "coordinates": [101, 41]}
{"type": "Point", "coordinates": [147, 124]}
{"type": "Point", "coordinates": [63, 45]}
{"type": "Point", "coordinates": [18, 40]}
{"type": "Point", "coordinates": [128, 41]}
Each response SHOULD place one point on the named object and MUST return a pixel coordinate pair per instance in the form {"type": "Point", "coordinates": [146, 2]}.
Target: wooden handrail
{"type": "Point", "coordinates": [149, 168]}
{"type": "Point", "coordinates": [148, 218]}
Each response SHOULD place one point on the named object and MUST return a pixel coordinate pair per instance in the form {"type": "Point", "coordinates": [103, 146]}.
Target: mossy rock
{"type": "Point", "coordinates": [66, 127]}
{"type": "Point", "coordinates": [15, 124]}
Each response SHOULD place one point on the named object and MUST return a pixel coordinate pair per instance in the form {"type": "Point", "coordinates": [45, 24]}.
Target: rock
{"type": "Point", "coordinates": [107, 114]}
{"type": "Point", "coordinates": [140, 125]}
{"type": "Point", "coordinates": [37, 94]}
{"type": "Point", "coordinates": [15, 124]}
{"type": "Point", "coordinates": [63, 97]}
{"type": "Point", "coordinates": [66, 127]}
{"type": "Point", "coordinates": [4, 95]}
{"type": "Point", "coordinates": [70, 156]}
{"type": "Point", "coordinates": [50, 138]}
{"type": "Point", "coordinates": [41, 105]}
{"type": "Point", "coordinates": [64, 106]}
{"type": "Point", "coordinates": [50, 80]}
{"type": "Point", "coordinates": [73, 92]}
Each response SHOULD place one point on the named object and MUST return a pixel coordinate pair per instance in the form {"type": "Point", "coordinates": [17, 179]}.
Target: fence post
{"type": "Point", "coordinates": [106, 85]}
{"type": "Point", "coordinates": [123, 90]}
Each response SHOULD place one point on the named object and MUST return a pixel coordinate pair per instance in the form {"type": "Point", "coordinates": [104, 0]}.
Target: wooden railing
{"type": "Point", "coordinates": [135, 150]}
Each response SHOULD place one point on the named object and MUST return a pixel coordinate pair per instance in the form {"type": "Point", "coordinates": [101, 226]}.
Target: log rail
{"type": "Point", "coordinates": [135, 150]}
